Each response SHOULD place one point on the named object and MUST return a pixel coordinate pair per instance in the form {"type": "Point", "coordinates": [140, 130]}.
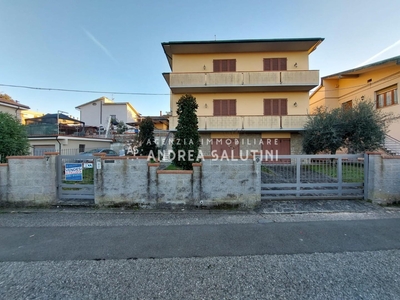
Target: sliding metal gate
{"type": "Point", "coordinates": [313, 177]}
{"type": "Point", "coordinates": [75, 178]}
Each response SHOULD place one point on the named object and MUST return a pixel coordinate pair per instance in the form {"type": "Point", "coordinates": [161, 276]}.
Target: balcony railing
{"type": "Point", "coordinates": [249, 81]}
{"type": "Point", "coordinates": [249, 123]}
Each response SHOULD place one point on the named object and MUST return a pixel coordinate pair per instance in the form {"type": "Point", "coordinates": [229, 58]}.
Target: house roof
{"type": "Point", "coordinates": [354, 73]}
{"type": "Point", "coordinates": [12, 103]}
{"type": "Point", "coordinates": [366, 68]}
{"type": "Point", "coordinates": [109, 102]}
{"type": "Point", "coordinates": [240, 46]}
{"type": "Point", "coordinates": [93, 101]}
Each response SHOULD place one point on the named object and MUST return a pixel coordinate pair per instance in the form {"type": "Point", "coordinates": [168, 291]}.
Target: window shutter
{"type": "Point", "coordinates": [283, 103]}
{"type": "Point", "coordinates": [275, 107]}
{"type": "Point", "coordinates": [232, 107]}
{"type": "Point", "coordinates": [275, 64]}
{"type": "Point", "coordinates": [283, 64]}
{"type": "Point", "coordinates": [216, 64]}
{"type": "Point", "coordinates": [267, 107]}
{"type": "Point", "coordinates": [224, 65]}
{"type": "Point", "coordinates": [224, 108]}
{"type": "Point", "coordinates": [267, 64]}
{"type": "Point", "coordinates": [217, 107]}
{"type": "Point", "coordinates": [232, 65]}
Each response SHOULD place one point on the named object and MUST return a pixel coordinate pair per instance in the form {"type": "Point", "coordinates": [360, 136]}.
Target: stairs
{"type": "Point", "coordinates": [391, 145]}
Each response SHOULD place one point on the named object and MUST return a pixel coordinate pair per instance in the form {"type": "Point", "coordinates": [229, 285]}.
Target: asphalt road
{"type": "Point", "coordinates": [123, 242]}
{"type": "Point", "coordinates": [199, 256]}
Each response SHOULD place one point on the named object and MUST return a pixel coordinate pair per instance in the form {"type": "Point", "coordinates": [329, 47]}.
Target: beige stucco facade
{"type": "Point", "coordinates": [192, 72]}
{"type": "Point", "coordinates": [361, 84]}
{"type": "Point", "coordinates": [12, 107]}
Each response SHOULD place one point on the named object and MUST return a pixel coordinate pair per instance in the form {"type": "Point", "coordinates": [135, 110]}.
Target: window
{"type": "Point", "coordinates": [275, 107]}
{"type": "Point", "coordinates": [275, 64]}
{"type": "Point", "coordinates": [387, 97]}
{"type": "Point", "coordinates": [225, 107]}
{"type": "Point", "coordinates": [81, 148]}
{"type": "Point", "coordinates": [347, 105]}
{"type": "Point", "coordinates": [224, 65]}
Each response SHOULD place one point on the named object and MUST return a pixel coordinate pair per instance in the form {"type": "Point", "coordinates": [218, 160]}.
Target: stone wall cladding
{"type": "Point", "coordinates": [31, 180]}
{"type": "Point", "coordinates": [3, 182]}
{"type": "Point", "coordinates": [230, 182]}
{"type": "Point", "coordinates": [383, 179]}
{"type": "Point", "coordinates": [296, 144]}
{"type": "Point", "coordinates": [124, 181]}
{"type": "Point", "coordinates": [175, 188]}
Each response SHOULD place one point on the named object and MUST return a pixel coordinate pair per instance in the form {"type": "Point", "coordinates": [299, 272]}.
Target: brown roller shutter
{"type": "Point", "coordinates": [217, 107]}
{"type": "Point", "coordinates": [283, 103]}
{"type": "Point", "coordinates": [267, 107]}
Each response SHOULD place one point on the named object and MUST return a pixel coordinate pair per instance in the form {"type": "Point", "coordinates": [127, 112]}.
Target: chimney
{"type": "Point", "coordinates": [160, 113]}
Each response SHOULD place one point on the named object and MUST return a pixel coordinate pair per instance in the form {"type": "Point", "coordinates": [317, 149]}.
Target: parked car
{"type": "Point", "coordinates": [108, 152]}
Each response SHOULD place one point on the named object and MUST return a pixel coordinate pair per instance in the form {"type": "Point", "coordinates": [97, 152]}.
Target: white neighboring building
{"type": "Point", "coordinates": [97, 112]}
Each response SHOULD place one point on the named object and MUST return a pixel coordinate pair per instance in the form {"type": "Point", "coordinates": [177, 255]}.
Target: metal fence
{"type": "Point", "coordinates": [313, 177]}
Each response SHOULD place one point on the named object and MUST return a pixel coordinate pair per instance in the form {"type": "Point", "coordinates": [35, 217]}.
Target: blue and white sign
{"type": "Point", "coordinates": [73, 172]}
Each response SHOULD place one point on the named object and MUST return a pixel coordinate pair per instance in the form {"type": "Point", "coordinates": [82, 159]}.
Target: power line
{"type": "Point", "coordinates": [80, 91]}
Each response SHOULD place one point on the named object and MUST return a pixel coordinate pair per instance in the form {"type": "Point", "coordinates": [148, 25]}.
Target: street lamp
{"type": "Point", "coordinates": [58, 120]}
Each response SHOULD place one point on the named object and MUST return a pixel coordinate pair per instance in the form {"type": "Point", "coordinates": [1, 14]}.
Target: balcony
{"type": "Point", "coordinates": [247, 123]}
{"type": "Point", "coordinates": [274, 81]}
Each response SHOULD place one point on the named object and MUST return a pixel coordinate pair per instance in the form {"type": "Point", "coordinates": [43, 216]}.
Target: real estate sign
{"type": "Point", "coordinates": [73, 172]}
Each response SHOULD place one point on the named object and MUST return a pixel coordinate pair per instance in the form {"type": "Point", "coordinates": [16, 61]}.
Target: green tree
{"type": "Point", "coordinates": [359, 128]}
{"type": "Point", "coordinates": [121, 127]}
{"type": "Point", "coordinates": [146, 137]}
{"type": "Point", "coordinates": [13, 137]}
{"type": "Point", "coordinates": [187, 139]}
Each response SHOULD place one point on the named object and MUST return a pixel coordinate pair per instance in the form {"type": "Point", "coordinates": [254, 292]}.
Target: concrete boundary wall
{"type": "Point", "coordinates": [28, 181]}
{"type": "Point", "coordinates": [383, 180]}
{"type": "Point", "coordinates": [211, 183]}
{"type": "Point", "coordinates": [31, 181]}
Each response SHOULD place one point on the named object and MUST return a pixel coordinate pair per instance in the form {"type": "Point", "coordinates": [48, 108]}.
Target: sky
{"type": "Point", "coordinates": [111, 46]}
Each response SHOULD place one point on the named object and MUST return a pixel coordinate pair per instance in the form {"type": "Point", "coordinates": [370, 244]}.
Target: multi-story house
{"type": "Point", "coordinates": [97, 112]}
{"type": "Point", "coordinates": [253, 95]}
{"type": "Point", "coordinates": [11, 106]}
{"type": "Point", "coordinates": [377, 82]}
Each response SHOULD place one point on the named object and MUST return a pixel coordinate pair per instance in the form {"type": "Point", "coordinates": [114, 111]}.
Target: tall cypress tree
{"type": "Point", "coordinates": [187, 139]}
{"type": "Point", "coordinates": [146, 137]}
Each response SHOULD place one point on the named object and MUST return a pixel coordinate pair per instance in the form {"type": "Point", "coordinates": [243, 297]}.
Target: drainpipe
{"type": "Point", "coordinates": [59, 145]}
{"type": "Point", "coordinates": [16, 112]}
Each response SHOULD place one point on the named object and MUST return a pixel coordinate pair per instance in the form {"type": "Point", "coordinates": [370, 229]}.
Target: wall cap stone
{"type": "Point", "coordinates": [391, 157]}
{"type": "Point", "coordinates": [51, 153]}
{"type": "Point", "coordinates": [174, 172]}
{"type": "Point", "coordinates": [4, 165]}
{"type": "Point", "coordinates": [196, 164]}
{"type": "Point", "coordinates": [25, 157]}
{"type": "Point", "coordinates": [153, 164]}
{"type": "Point", "coordinates": [249, 157]}
{"type": "Point", "coordinates": [373, 153]}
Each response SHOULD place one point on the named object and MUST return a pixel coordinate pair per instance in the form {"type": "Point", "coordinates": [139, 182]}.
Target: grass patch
{"type": "Point", "coordinates": [350, 173]}
{"type": "Point", "coordinates": [173, 167]}
{"type": "Point", "coordinates": [266, 170]}
{"type": "Point", "coordinates": [88, 177]}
